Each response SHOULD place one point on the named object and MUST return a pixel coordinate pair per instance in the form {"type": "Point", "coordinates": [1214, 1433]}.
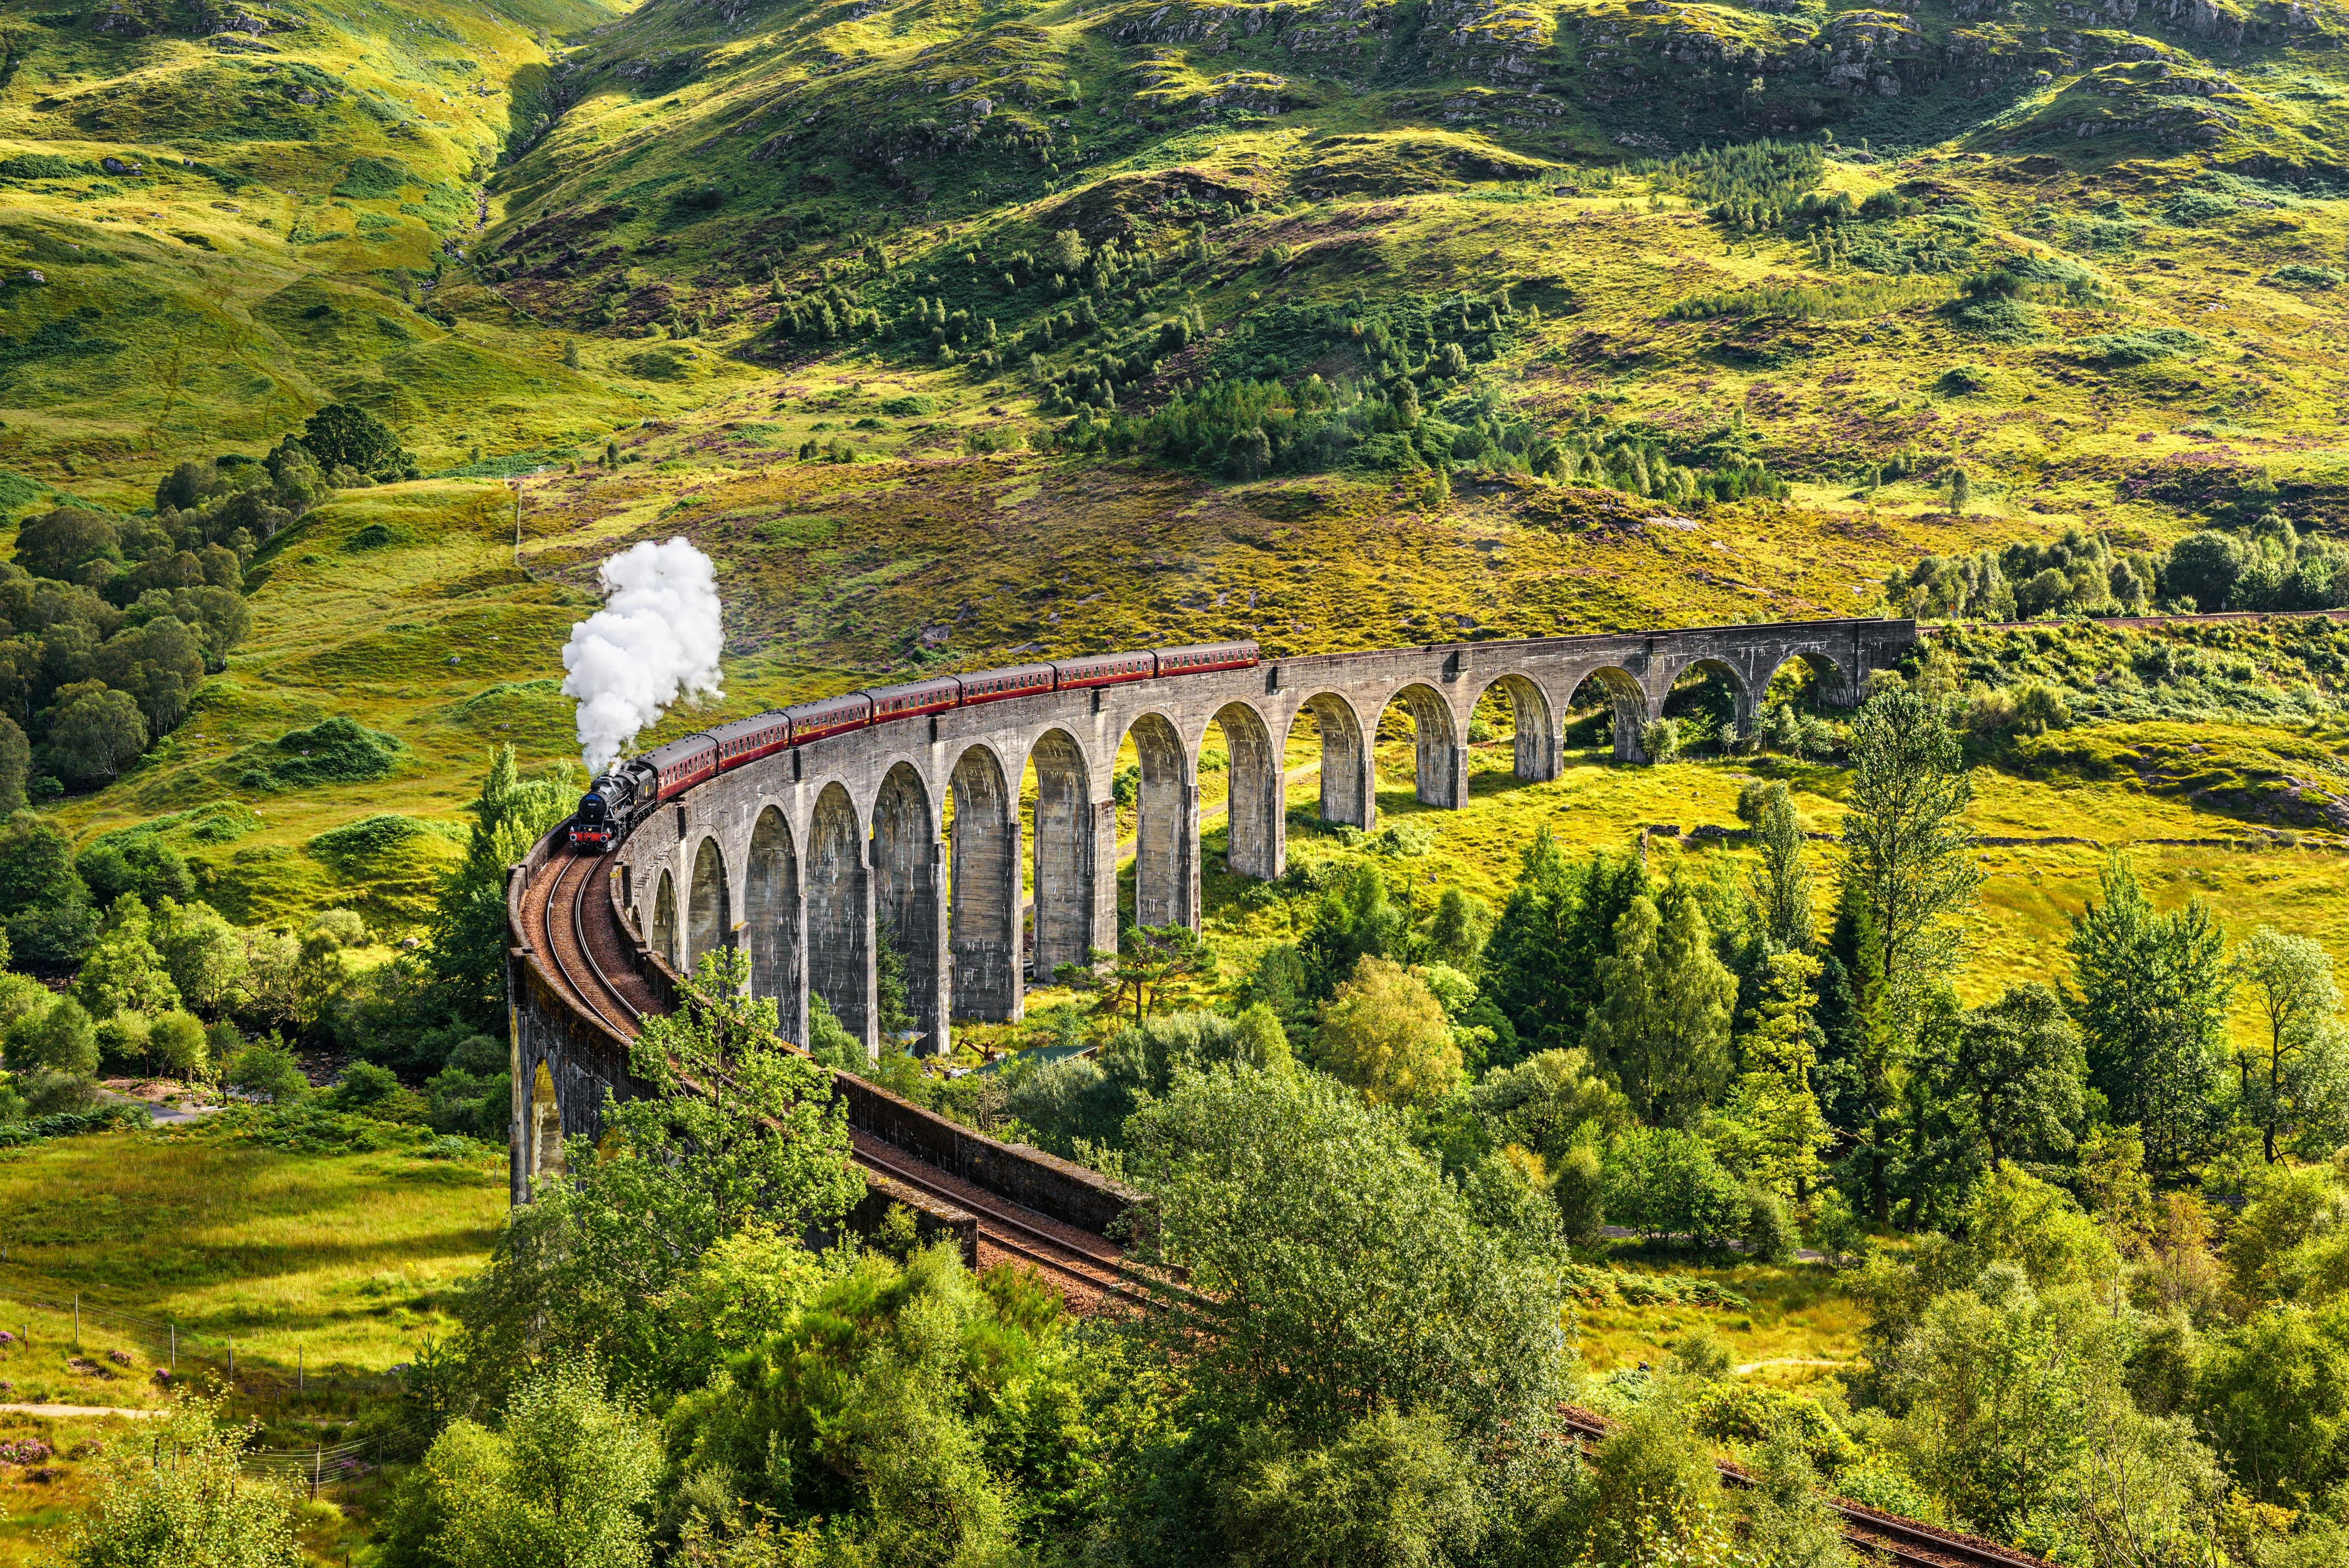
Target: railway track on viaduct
{"type": "Point", "coordinates": [805, 857]}
{"type": "Point", "coordinates": [568, 911]}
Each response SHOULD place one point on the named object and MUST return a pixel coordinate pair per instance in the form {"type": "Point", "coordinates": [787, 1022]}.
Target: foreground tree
{"type": "Point", "coordinates": [196, 1507]}
{"type": "Point", "coordinates": [2291, 979]}
{"type": "Point", "coordinates": [1334, 1270]}
{"type": "Point", "coordinates": [736, 1129]}
{"type": "Point", "coordinates": [1386, 1034]}
{"type": "Point", "coordinates": [2014, 1068]}
{"type": "Point", "coordinates": [567, 1482]}
{"type": "Point", "coordinates": [1906, 853]}
{"type": "Point", "coordinates": [2152, 996]}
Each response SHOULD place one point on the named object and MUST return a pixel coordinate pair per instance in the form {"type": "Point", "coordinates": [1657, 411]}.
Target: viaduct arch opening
{"type": "Point", "coordinates": [542, 1125]}
{"type": "Point", "coordinates": [908, 868]}
{"type": "Point", "coordinates": [709, 916]}
{"type": "Point", "coordinates": [1166, 825]}
{"type": "Point", "coordinates": [1514, 708]}
{"type": "Point", "coordinates": [1708, 702]}
{"type": "Point", "coordinates": [1810, 680]}
{"type": "Point", "coordinates": [1438, 762]}
{"type": "Point", "coordinates": [665, 921]}
{"type": "Point", "coordinates": [1255, 844]}
{"type": "Point", "coordinates": [1611, 706]}
{"type": "Point", "coordinates": [1337, 730]}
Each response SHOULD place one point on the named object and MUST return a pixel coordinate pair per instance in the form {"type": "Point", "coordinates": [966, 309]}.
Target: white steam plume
{"type": "Point", "coordinates": [656, 639]}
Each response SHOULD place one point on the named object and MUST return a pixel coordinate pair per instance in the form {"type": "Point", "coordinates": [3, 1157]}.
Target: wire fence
{"type": "Point", "coordinates": [319, 1465]}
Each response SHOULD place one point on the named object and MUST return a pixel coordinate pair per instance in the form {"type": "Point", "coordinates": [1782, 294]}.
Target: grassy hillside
{"type": "Point", "coordinates": [903, 312]}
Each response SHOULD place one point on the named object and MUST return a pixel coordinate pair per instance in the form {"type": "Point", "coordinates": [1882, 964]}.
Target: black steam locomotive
{"type": "Point", "coordinates": [621, 797]}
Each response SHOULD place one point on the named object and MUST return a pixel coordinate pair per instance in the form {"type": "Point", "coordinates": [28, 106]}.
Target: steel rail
{"type": "Point", "coordinates": [1904, 1540]}
{"type": "Point", "coordinates": [1098, 1272]}
{"type": "Point", "coordinates": [587, 890]}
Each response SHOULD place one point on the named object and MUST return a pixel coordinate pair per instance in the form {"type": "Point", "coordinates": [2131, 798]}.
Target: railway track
{"type": "Point", "coordinates": [589, 959]}
{"type": "Point", "coordinates": [1092, 1266]}
{"type": "Point", "coordinates": [562, 921]}
{"type": "Point", "coordinates": [1902, 1540]}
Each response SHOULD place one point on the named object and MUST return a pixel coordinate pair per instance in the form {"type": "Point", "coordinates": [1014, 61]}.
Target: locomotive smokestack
{"type": "Point", "coordinates": [656, 639]}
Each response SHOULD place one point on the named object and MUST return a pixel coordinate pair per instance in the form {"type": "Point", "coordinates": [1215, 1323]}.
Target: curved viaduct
{"type": "Point", "coordinates": [916, 828]}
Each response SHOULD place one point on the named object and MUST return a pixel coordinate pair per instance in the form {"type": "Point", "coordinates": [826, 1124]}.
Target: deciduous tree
{"type": "Point", "coordinates": [1906, 847]}
{"type": "Point", "coordinates": [1662, 1023]}
{"type": "Point", "coordinates": [2291, 979]}
{"type": "Point", "coordinates": [1386, 1034]}
{"type": "Point", "coordinates": [2151, 997]}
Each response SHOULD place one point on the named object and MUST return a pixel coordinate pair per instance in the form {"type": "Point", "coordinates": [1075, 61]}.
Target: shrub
{"type": "Point", "coordinates": [38, 165]}
{"type": "Point", "coordinates": [374, 179]}
{"type": "Point", "coordinates": [2140, 346]}
{"type": "Point", "coordinates": [332, 751]}
{"type": "Point", "coordinates": [369, 844]}
{"type": "Point", "coordinates": [2306, 277]}
{"type": "Point", "coordinates": [1663, 1183]}
{"type": "Point", "coordinates": [1769, 1235]}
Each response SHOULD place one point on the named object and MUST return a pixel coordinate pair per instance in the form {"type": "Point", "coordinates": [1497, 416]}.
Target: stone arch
{"type": "Point", "coordinates": [1345, 795]}
{"type": "Point", "coordinates": [1628, 699]}
{"type": "Point", "coordinates": [772, 923]}
{"type": "Point", "coordinates": [1832, 681]}
{"type": "Point", "coordinates": [665, 920]}
{"type": "Point", "coordinates": [983, 922]}
{"type": "Point", "coordinates": [542, 1125]}
{"type": "Point", "coordinates": [1166, 826]}
{"type": "Point", "coordinates": [1065, 838]}
{"type": "Point", "coordinates": [839, 913]}
{"type": "Point", "coordinates": [1255, 843]}
{"type": "Point", "coordinates": [1441, 763]}
{"type": "Point", "coordinates": [1539, 744]}
{"type": "Point", "coordinates": [908, 874]}
{"type": "Point", "coordinates": [709, 907]}
{"type": "Point", "coordinates": [1680, 695]}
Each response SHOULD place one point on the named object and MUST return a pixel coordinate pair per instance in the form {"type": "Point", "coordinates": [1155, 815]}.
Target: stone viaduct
{"type": "Point", "coordinates": [918, 828]}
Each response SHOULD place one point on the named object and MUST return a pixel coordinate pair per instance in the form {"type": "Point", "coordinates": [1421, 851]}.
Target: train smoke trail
{"type": "Point", "coordinates": [656, 639]}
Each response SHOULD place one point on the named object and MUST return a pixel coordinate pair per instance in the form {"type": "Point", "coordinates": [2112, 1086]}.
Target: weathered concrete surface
{"type": "Point", "coordinates": [817, 848]}
{"type": "Point", "coordinates": [822, 845]}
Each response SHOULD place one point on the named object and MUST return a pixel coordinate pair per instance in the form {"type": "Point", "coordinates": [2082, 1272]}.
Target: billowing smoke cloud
{"type": "Point", "coordinates": [656, 639]}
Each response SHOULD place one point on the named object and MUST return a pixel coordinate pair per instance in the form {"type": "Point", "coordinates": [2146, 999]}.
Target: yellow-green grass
{"type": "Point", "coordinates": [1795, 1316]}
{"type": "Point", "coordinates": [2030, 890]}
{"type": "Point", "coordinates": [35, 1514]}
{"type": "Point", "coordinates": [333, 1261]}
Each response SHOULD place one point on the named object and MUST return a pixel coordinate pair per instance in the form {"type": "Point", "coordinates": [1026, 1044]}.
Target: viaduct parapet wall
{"type": "Point", "coordinates": [801, 857]}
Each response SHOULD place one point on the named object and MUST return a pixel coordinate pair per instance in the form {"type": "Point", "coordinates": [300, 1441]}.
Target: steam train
{"type": "Point", "coordinates": [623, 797]}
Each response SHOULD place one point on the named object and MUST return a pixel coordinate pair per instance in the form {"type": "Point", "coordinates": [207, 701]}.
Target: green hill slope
{"type": "Point", "coordinates": [961, 332]}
